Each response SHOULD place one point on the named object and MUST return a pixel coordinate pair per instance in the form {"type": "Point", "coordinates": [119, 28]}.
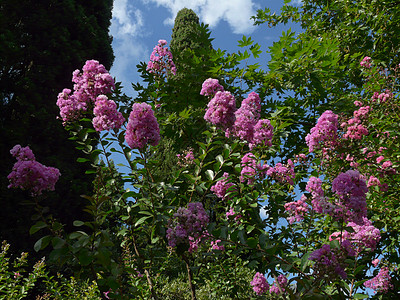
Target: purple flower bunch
{"type": "Point", "coordinates": [94, 80]}
{"type": "Point", "coordinates": [324, 134]}
{"type": "Point", "coordinates": [142, 128]}
{"type": "Point", "coordinates": [381, 283]}
{"type": "Point", "coordinates": [282, 173]}
{"type": "Point", "coordinates": [331, 261]}
{"type": "Point", "coordinates": [351, 188]}
{"type": "Point", "coordinates": [221, 110]}
{"type": "Point", "coordinates": [259, 284]}
{"type": "Point", "coordinates": [107, 116]}
{"type": "Point", "coordinates": [297, 209]}
{"type": "Point", "coordinates": [222, 187]}
{"type": "Point", "coordinates": [187, 222]}
{"type": "Point", "coordinates": [161, 61]}
{"type": "Point", "coordinates": [210, 87]}
{"type": "Point", "coordinates": [282, 281]}
{"type": "Point", "coordinates": [319, 202]}
{"type": "Point", "coordinates": [28, 174]}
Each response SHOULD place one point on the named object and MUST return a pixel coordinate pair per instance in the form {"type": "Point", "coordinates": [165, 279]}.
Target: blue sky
{"type": "Point", "coordinates": [137, 25]}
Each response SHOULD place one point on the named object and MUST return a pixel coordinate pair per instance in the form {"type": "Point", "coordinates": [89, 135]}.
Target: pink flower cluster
{"type": "Point", "coordinates": [365, 236]}
{"type": "Point", "coordinates": [324, 134]}
{"type": "Point", "coordinates": [259, 284]}
{"type": "Point", "coordinates": [107, 116]}
{"type": "Point", "coordinates": [248, 125]}
{"type": "Point", "coordinates": [28, 174]}
{"type": "Point", "coordinates": [243, 123]}
{"type": "Point", "coordinates": [161, 62]}
{"type": "Point", "coordinates": [210, 87]}
{"type": "Point", "coordinates": [221, 110]}
{"type": "Point", "coordinates": [142, 128]}
{"type": "Point", "coordinates": [186, 158]}
{"type": "Point", "coordinates": [215, 245]}
{"type": "Point", "coordinates": [92, 82]}
{"type": "Point", "coordinates": [381, 283]}
{"type": "Point", "coordinates": [382, 97]}
{"type": "Point", "coordinates": [222, 186]}
{"type": "Point", "coordinates": [366, 62]}
{"type": "Point", "coordinates": [187, 222]}
{"type": "Point", "coordinates": [319, 202]}
{"type": "Point", "coordinates": [331, 261]}
{"type": "Point", "coordinates": [282, 281]}
{"type": "Point", "coordinates": [351, 189]}
{"type": "Point", "coordinates": [297, 210]}
{"type": "Point", "coordinates": [282, 173]}
{"type": "Point", "coordinates": [355, 129]}
{"type": "Point", "coordinates": [231, 213]}
{"type": "Point", "coordinates": [250, 168]}
{"type": "Point", "coordinates": [246, 117]}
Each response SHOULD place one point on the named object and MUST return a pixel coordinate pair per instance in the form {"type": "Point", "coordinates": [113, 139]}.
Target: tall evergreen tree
{"type": "Point", "coordinates": [41, 43]}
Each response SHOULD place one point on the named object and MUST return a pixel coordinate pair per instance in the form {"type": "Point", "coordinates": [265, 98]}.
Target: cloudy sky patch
{"type": "Point", "coordinates": [236, 13]}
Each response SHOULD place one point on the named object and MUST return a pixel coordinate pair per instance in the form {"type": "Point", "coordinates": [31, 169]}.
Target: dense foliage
{"type": "Point", "coordinates": [41, 43]}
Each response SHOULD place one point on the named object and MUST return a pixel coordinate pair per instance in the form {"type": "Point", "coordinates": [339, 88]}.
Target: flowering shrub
{"type": "Point", "coordinates": [178, 223]}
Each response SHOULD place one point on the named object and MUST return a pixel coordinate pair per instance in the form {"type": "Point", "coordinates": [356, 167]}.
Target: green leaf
{"type": "Point", "coordinates": [210, 174]}
{"type": "Point", "coordinates": [141, 220]}
{"type": "Point", "coordinates": [360, 296]}
{"type": "Point", "coordinates": [39, 225]}
{"type": "Point", "coordinates": [42, 243]}
{"type": "Point", "coordinates": [78, 223]}
{"type": "Point", "coordinates": [57, 242]}
{"type": "Point", "coordinates": [252, 242]}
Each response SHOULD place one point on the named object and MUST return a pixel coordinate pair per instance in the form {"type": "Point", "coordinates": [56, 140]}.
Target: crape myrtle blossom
{"type": "Point", "coordinates": [222, 186]}
{"type": "Point", "coordinates": [297, 210]}
{"type": "Point", "coordinates": [94, 80]}
{"type": "Point", "coordinates": [28, 174]}
{"type": "Point", "coordinates": [259, 284]}
{"type": "Point", "coordinates": [324, 134]}
{"type": "Point", "coordinates": [263, 134]}
{"type": "Point", "coordinates": [246, 117]}
{"type": "Point", "coordinates": [331, 261]}
{"type": "Point", "coordinates": [161, 61]}
{"type": "Point", "coordinates": [282, 173]}
{"type": "Point", "coordinates": [250, 168]}
{"type": "Point", "coordinates": [366, 62]}
{"type": "Point", "coordinates": [107, 116]}
{"type": "Point", "coordinates": [187, 223]}
{"type": "Point", "coordinates": [282, 281]}
{"type": "Point", "coordinates": [351, 189]}
{"type": "Point", "coordinates": [210, 87]}
{"type": "Point", "coordinates": [231, 214]}
{"type": "Point", "coordinates": [364, 236]}
{"type": "Point", "coordinates": [142, 128]}
{"type": "Point", "coordinates": [381, 283]}
{"type": "Point", "coordinates": [221, 110]}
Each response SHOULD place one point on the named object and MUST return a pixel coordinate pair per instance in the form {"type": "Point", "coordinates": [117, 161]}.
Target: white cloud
{"type": "Point", "coordinates": [127, 28]}
{"type": "Point", "coordinates": [236, 12]}
{"type": "Point", "coordinates": [125, 19]}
